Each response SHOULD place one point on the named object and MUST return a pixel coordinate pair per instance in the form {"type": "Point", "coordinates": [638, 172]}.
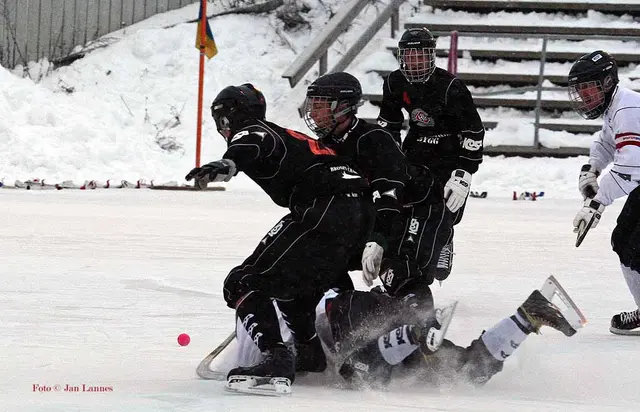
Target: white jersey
{"type": "Point", "coordinates": [618, 143]}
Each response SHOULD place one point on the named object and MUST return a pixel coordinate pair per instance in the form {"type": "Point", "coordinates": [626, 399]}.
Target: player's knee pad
{"type": "Point", "coordinates": [625, 242]}
{"type": "Point", "coordinates": [625, 238]}
{"type": "Point", "coordinates": [236, 285]}
{"type": "Point", "coordinates": [398, 274]}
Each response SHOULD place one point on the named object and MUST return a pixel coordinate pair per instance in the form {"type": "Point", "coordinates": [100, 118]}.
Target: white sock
{"type": "Point", "coordinates": [504, 338]}
{"type": "Point", "coordinates": [633, 282]}
{"type": "Point", "coordinates": [396, 345]}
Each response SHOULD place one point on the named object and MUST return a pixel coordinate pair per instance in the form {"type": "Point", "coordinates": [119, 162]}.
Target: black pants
{"type": "Point", "coordinates": [359, 318]}
{"type": "Point", "coordinates": [304, 254]}
{"type": "Point", "coordinates": [625, 238]}
{"type": "Point", "coordinates": [415, 248]}
{"type": "Point", "coordinates": [427, 229]}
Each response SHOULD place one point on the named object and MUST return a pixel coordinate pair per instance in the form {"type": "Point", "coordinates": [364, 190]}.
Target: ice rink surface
{"type": "Point", "coordinates": [97, 285]}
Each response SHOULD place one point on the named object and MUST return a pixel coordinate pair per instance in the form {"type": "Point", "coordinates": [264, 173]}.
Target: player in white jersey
{"type": "Point", "coordinates": [594, 92]}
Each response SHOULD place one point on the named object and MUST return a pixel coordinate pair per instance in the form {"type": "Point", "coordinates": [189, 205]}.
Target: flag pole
{"type": "Point", "coordinates": [203, 34]}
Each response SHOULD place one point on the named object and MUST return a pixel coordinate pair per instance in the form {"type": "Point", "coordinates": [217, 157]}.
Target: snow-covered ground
{"type": "Point", "coordinates": [139, 94]}
{"type": "Point", "coordinates": [97, 285]}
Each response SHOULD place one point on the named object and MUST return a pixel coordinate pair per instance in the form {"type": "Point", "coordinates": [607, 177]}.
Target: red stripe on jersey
{"type": "Point", "coordinates": [627, 134]}
{"type": "Point", "coordinates": [627, 143]}
{"type": "Point", "coordinates": [405, 97]}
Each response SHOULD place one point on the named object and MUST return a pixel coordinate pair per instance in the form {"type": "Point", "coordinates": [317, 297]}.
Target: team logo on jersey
{"type": "Point", "coordinates": [471, 144]}
{"type": "Point", "coordinates": [239, 135]}
{"type": "Point", "coordinates": [422, 118]}
{"type": "Point", "coordinates": [274, 231]}
{"type": "Point", "coordinates": [387, 277]}
{"type": "Point", "coordinates": [390, 193]}
{"type": "Point", "coordinates": [345, 175]}
{"type": "Point", "coordinates": [429, 140]}
{"type": "Point", "coordinates": [414, 226]}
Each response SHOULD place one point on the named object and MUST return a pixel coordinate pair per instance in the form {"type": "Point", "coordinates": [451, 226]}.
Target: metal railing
{"type": "Point", "coordinates": [539, 88]}
{"type": "Point", "coordinates": [317, 50]}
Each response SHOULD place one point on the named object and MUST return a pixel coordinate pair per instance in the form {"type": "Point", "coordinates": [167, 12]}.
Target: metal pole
{"type": "Point", "coordinates": [109, 21]}
{"type": "Point", "coordinates": [73, 27]}
{"type": "Point", "coordinates": [323, 63]}
{"type": "Point", "coordinates": [86, 23]}
{"type": "Point", "coordinates": [39, 24]}
{"type": "Point", "coordinates": [536, 125]}
{"type": "Point", "coordinates": [395, 23]}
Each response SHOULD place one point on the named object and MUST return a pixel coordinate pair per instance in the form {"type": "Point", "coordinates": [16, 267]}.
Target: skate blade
{"type": "Point", "coordinates": [444, 316]}
{"type": "Point", "coordinates": [555, 293]}
{"type": "Point", "coordinates": [256, 385]}
{"type": "Point", "coordinates": [627, 332]}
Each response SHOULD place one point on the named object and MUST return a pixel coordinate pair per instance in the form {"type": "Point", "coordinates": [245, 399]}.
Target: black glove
{"type": "Point", "coordinates": [219, 171]}
{"type": "Point", "coordinates": [237, 284]}
{"type": "Point", "coordinates": [428, 336]}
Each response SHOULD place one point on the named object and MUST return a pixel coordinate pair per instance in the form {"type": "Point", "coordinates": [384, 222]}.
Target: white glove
{"type": "Point", "coordinates": [590, 212]}
{"type": "Point", "coordinates": [371, 260]}
{"type": "Point", "coordinates": [457, 189]}
{"type": "Point", "coordinates": [588, 182]}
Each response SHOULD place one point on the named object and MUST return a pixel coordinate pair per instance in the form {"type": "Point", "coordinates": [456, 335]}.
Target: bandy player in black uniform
{"type": "Point", "coordinates": [445, 131]}
{"type": "Point", "coordinates": [411, 216]}
{"type": "Point", "coordinates": [307, 251]}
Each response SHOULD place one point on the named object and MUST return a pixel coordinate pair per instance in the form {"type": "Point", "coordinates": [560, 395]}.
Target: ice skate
{"type": "Point", "coordinates": [273, 375]}
{"type": "Point", "coordinates": [541, 312]}
{"type": "Point", "coordinates": [626, 323]}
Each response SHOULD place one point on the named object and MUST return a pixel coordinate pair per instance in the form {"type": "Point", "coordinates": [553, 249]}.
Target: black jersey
{"type": "Point", "coordinates": [394, 181]}
{"type": "Point", "coordinates": [445, 130]}
{"type": "Point", "coordinates": [290, 166]}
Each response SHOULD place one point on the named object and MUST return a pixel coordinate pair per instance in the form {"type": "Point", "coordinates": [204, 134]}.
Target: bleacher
{"type": "Point", "coordinates": [508, 57]}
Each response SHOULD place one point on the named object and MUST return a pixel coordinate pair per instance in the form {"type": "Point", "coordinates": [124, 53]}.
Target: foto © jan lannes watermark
{"type": "Point", "coordinates": [72, 388]}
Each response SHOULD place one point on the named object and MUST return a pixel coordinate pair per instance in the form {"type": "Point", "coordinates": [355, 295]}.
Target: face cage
{"type": "Point", "coordinates": [223, 125]}
{"type": "Point", "coordinates": [324, 117]}
{"type": "Point", "coordinates": [593, 104]}
{"type": "Point", "coordinates": [417, 65]}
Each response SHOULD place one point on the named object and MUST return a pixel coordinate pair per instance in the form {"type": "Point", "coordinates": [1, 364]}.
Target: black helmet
{"type": "Point", "coordinates": [329, 97]}
{"type": "Point", "coordinates": [417, 55]}
{"type": "Point", "coordinates": [235, 104]}
{"type": "Point", "coordinates": [592, 81]}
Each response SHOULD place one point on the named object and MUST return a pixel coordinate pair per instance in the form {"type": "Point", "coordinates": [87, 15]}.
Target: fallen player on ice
{"type": "Point", "coordinates": [370, 338]}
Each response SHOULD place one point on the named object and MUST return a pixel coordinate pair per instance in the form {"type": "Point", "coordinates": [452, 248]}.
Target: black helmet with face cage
{"type": "Point", "coordinates": [592, 82]}
{"type": "Point", "coordinates": [340, 92]}
{"type": "Point", "coordinates": [417, 55]}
